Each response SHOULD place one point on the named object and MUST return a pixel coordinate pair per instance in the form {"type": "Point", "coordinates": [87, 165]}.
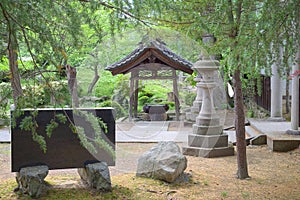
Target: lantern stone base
{"type": "Point", "coordinates": [207, 130]}
{"type": "Point", "coordinates": [208, 146]}
{"type": "Point", "coordinates": [204, 141]}
{"type": "Point", "coordinates": [208, 152]}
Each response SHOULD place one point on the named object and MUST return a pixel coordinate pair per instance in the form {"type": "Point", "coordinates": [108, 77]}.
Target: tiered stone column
{"type": "Point", "coordinates": [195, 109]}
{"type": "Point", "coordinates": [276, 93]}
{"type": "Point", "coordinates": [295, 99]}
{"type": "Point", "coordinates": [207, 139]}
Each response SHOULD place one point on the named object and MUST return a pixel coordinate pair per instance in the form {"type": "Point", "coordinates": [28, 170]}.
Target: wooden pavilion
{"type": "Point", "coordinates": [151, 61]}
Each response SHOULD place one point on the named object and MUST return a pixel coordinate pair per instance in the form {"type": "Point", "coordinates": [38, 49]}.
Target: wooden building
{"type": "Point", "coordinates": [152, 60]}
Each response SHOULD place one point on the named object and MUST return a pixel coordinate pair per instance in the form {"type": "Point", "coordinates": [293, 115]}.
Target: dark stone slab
{"type": "Point", "coordinates": [63, 148]}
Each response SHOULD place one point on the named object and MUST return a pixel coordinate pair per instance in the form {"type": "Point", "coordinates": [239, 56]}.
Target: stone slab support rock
{"type": "Point", "coordinates": [96, 176]}
{"type": "Point", "coordinates": [31, 180]}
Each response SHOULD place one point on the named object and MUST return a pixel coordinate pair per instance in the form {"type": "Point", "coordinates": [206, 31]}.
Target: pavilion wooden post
{"type": "Point", "coordinates": [136, 93]}
{"type": "Point", "coordinates": [131, 97]}
{"type": "Point", "coordinates": [176, 94]}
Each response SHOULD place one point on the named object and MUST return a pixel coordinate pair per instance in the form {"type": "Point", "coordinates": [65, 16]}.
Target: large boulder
{"type": "Point", "coordinates": [31, 180]}
{"type": "Point", "coordinates": [163, 161]}
{"type": "Point", "coordinates": [97, 176]}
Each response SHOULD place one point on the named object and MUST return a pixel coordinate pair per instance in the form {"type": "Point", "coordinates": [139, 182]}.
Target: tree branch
{"type": "Point", "coordinates": [239, 12]}
{"type": "Point", "coordinates": [120, 10]}
{"type": "Point", "coordinates": [172, 22]}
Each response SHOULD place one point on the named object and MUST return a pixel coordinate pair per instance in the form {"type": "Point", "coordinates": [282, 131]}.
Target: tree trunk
{"type": "Point", "coordinates": [13, 65]}
{"type": "Point", "coordinates": [72, 83]}
{"type": "Point", "coordinates": [94, 81]}
{"type": "Point", "coordinates": [242, 172]}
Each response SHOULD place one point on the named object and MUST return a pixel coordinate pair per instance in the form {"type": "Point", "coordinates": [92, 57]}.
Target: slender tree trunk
{"type": "Point", "coordinates": [13, 65]}
{"type": "Point", "coordinates": [94, 81]}
{"type": "Point", "coordinates": [72, 83]}
{"type": "Point", "coordinates": [242, 172]}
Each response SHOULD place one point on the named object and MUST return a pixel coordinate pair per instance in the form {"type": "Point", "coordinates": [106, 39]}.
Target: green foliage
{"type": "Point", "coordinates": [50, 127]}
{"type": "Point", "coordinates": [52, 93]}
{"type": "Point", "coordinates": [53, 124]}
{"type": "Point", "coordinates": [119, 110]}
{"type": "Point", "coordinates": [144, 100]}
{"type": "Point", "coordinates": [4, 66]}
{"type": "Point", "coordinates": [61, 118]}
{"type": "Point", "coordinates": [98, 126]}
{"type": "Point", "coordinates": [29, 123]}
{"type": "Point", "coordinates": [83, 139]}
{"type": "Point", "coordinates": [154, 92]}
{"type": "Point", "coordinates": [56, 93]}
{"type": "Point", "coordinates": [190, 79]}
{"type": "Point", "coordinates": [7, 187]}
{"type": "Point", "coordinates": [108, 81]}
{"type": "Point", "coordinates": [5, 96]}
{"type": "Point", "coordinates": [224, 194]}
{"type": "Point", "coordinates": [189, 98]}
{"type": "Point", "coordinates": [171, 104]}
{"type": "Point", "coordinates": [33, 95]}
{"type": "Point", "coordinates": [122, 91]}
{"type": "Point", "coordinates": [26, 124]}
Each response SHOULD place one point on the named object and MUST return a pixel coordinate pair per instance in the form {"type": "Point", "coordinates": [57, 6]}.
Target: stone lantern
{"type": "Point", "coordinates": [197, 103]}
{"type": "Point", "coordinates": [207, 138]}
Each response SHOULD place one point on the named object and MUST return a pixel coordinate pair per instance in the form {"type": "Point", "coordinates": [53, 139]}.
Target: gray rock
{"type": "Point", "coordinates": [31, 180]}
{"type": "Point", "coordinates": [96, 176]}
{"type": "Point", "coordinates": [163, 161]}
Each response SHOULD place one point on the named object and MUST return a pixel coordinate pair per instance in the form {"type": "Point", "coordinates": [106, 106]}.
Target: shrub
{"type": "Point", "coordinates": [189, 98]}
{"type": "Point", "coordinates": [5, 95]}
{"type": "Point", "coordinates": [144, 100]}
{"type": "Point", "coordinates": [119, 110]}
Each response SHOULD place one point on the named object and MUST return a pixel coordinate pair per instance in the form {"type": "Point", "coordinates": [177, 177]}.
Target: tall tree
{"type": "Point", "coordinates": [32, 29]}
{"type": "Point", "coordinates": [12, 48]}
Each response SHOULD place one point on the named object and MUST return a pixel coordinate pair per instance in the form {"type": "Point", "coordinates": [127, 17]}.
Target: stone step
{"type": "Point", "coordinates": [255, 136]}
{"type": "Point", "coordinates": [283, 144]}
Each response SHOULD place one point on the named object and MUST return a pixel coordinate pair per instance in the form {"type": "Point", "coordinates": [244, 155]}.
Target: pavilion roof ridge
{"type": "Point", "coordinates": [168, 52]}
{"type": "Point", "coordinates": [152, 44]}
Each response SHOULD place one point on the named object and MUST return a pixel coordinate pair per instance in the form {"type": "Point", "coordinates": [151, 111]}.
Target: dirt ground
{"type": "Point", "coordinates": [273, 175]}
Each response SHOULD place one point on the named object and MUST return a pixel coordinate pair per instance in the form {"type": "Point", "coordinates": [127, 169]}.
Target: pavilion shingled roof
{"type": "Point", "coordinates": [128, 62]}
